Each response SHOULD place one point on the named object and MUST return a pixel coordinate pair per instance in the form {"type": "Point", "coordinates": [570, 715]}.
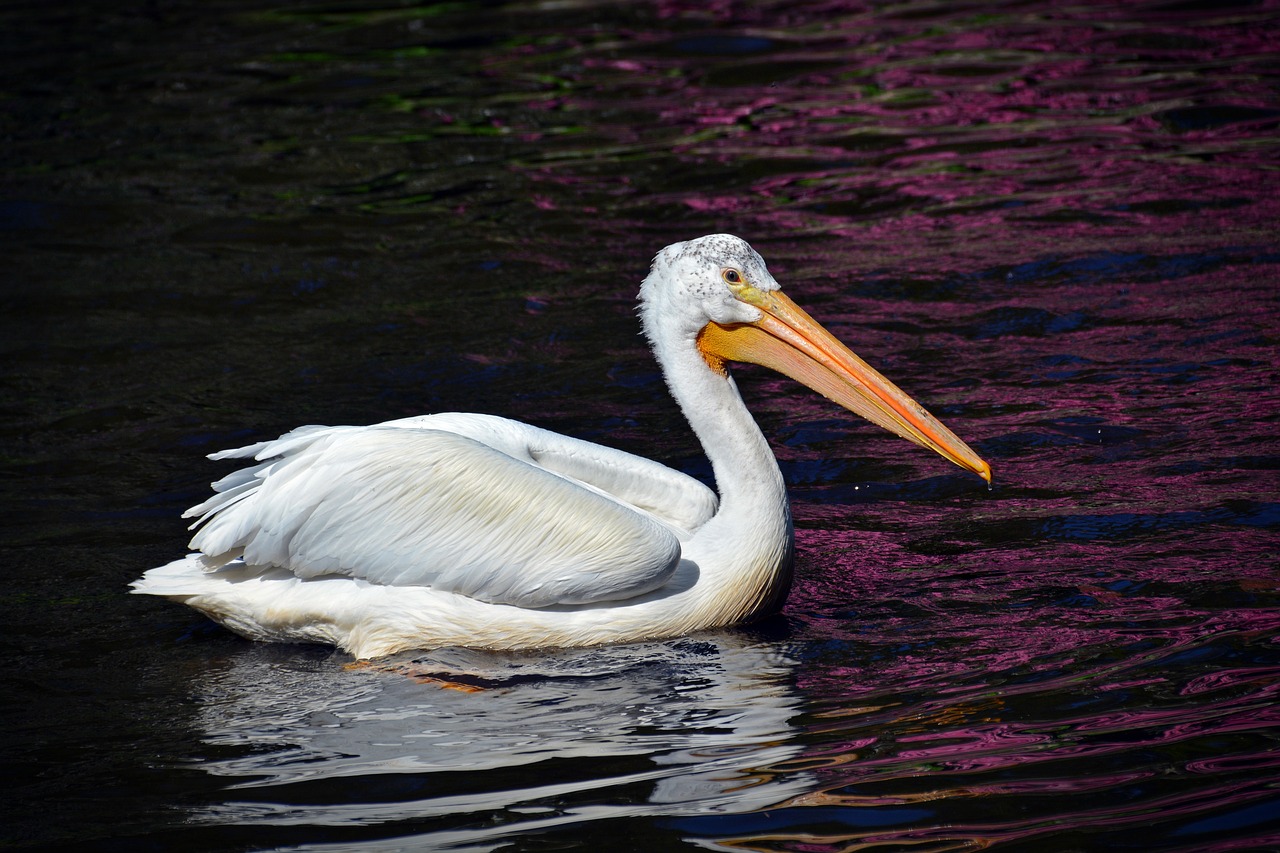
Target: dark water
{"type": "Point", "coordinates": [1055, 225]}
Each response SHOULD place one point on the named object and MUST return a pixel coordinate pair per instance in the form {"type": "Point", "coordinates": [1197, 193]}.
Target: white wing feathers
{"type": "Point", "coordinates": [675, 498]}
{"type": "Point", "coordinates": [418, 503]}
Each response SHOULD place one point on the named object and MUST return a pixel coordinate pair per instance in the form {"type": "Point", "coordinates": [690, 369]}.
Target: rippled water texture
{"type": "Point", "coordinates": [1056, 225]}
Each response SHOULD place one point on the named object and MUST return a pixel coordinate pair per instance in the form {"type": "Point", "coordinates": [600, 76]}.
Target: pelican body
{"type": "Point", "coordinates": [473, 530]}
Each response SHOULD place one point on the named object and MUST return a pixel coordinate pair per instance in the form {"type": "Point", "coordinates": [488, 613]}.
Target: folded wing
{"type": "Point", "coordinates": [405, 504]}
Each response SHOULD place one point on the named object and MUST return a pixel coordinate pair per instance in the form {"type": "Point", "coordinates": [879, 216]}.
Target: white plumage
{"type": "Point", "coordinates": [474, 530]}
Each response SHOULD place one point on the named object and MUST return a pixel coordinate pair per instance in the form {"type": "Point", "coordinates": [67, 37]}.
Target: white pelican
{"type": "Point", "coordinates": [473, 530]}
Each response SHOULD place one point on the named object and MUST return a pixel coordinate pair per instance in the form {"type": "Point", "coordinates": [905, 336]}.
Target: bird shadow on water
{"type": "Point", "coordinates": [534, 741]}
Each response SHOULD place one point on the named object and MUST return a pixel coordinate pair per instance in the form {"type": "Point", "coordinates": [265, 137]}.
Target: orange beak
{"type": "Point", "coordinates": [788, 340]}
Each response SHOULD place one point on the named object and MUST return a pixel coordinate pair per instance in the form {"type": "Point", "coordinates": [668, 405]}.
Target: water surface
{"type": "Point", "coordinates": [1055, 226]}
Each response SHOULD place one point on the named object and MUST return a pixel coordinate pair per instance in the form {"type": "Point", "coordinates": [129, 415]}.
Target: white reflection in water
{"type": "Point", "coordinates": [674, 728]}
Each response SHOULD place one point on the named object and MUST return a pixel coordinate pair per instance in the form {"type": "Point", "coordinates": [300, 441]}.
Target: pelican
{"type": "Point", "coordinates": [477, 531]}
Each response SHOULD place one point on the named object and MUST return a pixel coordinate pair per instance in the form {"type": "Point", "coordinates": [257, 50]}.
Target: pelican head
{"type": "Point", "coordinates": [716, 294]}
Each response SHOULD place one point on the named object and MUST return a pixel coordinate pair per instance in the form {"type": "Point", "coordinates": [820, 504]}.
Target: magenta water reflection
{"type": "Point", "coordinates": [1099, 662]}
{"type": "Point", "coordinates": [1077, 123]}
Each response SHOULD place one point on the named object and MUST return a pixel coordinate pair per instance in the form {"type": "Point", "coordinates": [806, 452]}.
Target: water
{"type": "Point", "coordinates": [1056, 226]}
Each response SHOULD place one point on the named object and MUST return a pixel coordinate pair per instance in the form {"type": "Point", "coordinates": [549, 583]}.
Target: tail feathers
{"type": "Point", "coordinates": [194, 574]}
{"type": "Point", "coordinates": [187, 576]}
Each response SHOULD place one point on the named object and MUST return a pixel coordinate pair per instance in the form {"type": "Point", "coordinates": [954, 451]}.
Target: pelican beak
{"type": "Point", "coordinates": [788, 340]}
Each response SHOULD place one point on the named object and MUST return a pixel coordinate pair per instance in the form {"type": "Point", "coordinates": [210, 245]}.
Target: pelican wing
{"type": "Point", "coordinates": [403, 505]}
{"type": "Point", "coordinates": [676, 499]}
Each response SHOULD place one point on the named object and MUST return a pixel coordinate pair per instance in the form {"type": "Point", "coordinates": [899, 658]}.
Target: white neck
{"type": "Point", "coordinates": [746, 549]}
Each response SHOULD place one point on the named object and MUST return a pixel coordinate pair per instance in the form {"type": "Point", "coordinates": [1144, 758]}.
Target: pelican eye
{"type": "Point", "coordinates": [731, 276]}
